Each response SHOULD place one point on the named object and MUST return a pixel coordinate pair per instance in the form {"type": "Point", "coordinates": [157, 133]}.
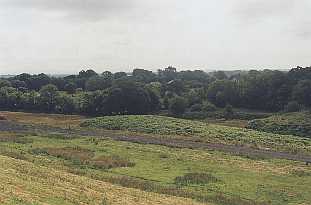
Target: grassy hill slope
{"type": "Point", "coordinates": [205, 132]}
{"type": "Point", "coordinates": [298, 123]}
{"type": "Point", "coordinates": [27, 184]}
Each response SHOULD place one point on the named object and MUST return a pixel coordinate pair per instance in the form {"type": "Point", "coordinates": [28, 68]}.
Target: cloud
{"type": "Point", "coordinates": [255, 11]}
{"type": "Point", "coordinates": [288, 15]}
{"type": "Point", "coordinates": [84, 9]}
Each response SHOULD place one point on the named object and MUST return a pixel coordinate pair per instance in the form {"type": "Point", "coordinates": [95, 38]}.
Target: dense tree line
{"type": "Point", "coordinates": [143, 91]}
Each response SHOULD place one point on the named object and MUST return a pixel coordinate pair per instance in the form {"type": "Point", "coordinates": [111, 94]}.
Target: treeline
{"type": "Point", "coordinates": [143, 91]}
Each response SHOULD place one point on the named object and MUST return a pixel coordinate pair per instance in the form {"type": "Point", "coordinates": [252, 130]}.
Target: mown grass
{"type": "Point", "coordinates": [298, 123]}
{"type": "Point", "coordinates": [28, 184]}
{"type": "Point", "coordinates": [160, 125]}
{"type": "Point", "coordinates": [210, 177]}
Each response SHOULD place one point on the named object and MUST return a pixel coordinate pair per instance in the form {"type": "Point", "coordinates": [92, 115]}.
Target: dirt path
{"type": "Point", "coordinates": [11, 126]}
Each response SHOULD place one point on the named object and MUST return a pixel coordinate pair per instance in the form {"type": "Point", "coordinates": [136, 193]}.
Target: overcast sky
{"type": "Point", "coordinates": [65, 36]}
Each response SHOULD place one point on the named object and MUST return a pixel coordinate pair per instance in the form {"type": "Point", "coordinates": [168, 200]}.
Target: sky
{"type": "Point", "coordinates": [66, 36]}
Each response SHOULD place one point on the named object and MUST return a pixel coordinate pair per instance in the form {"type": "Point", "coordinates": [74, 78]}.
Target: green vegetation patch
{"type": "Point", "coordinates": [69, 153]}
{"type": "Point", "coordinates": [298, 123]}
{"type": "Point", "coordinates": [196, 178]}
{"type": "Point", "coordinates": [161, 125]}
{"type": "Point", "coordinates": [15, 139]}
{"type": "Point", "coordinates": [13, 154]}
{"type": "Point", "coordinates": [108, 162]}
{"type": "Point", "coordinates": [82, 156]}
{"type": "Point", "coordinates": [211, 177]}
{"type": "Point", "coordinates": [144, 123]}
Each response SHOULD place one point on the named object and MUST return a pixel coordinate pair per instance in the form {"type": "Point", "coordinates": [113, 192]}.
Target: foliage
{"type": "Point", "coordinates": [206, 132]}
{"type": "Point", "coordinates": [70, 87]}
{"type": "Point", "coordinates": [302, 92]}
{"type": "Point", "coordinates": [195, 178]}
{"type": "Point", "coordinates": [48, 95]}
{"type": "Point", "coordinates": [177, 105]}
{"type": "Point", "coordinates": [296, 123]}
{"type": "Point", "coordinates": [143, 91]}
{"type": "Point", "coordinates": [208, 107]}
{"type": "Point", "coordinates": [228, 112]}
{"type": "Point", "coordinates": [293, 106]}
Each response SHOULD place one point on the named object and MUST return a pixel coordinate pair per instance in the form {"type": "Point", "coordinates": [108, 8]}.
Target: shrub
{"type": "Point", "coordinates": [108, 162]}
{"type": "Point", "coordinates": [301, 173]}
{"type": "Point", "coordinates": [195, 178]}
{"type": "Point", "coordinates": [75, 154]}
{"type": "Point", "coordinates": [298, 123]}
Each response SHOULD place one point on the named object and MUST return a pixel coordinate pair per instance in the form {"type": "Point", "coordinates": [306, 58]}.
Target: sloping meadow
{"type": "Point", "coordinates": [160, 125]}
{"type": "Point", "coordinates": [297, 123]}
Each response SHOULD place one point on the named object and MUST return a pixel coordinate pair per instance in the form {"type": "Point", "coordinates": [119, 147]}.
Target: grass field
{"type": "Point", "coordinates": [44, 168]}
{"type": "Point", "coordinates": [298, 123]}
{"type": "Point", "coordinates": [24, 183]}
{"type": "Point", "coordinates": [56, 120]}
{"type": "Point", "coordinates": [206, 132]}
{"type": "Point", "coordinates": [215, 178]}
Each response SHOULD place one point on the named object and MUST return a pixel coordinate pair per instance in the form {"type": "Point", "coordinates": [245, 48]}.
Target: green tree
{"type": "Point", "coordinates": [18, 84]}
{"type": "Point", "coordinates": [97, 83]}
{"type": "Point", "coordinates": [48, 94]}
{"type": "Point", "coordinates": [220, 75]}
{"type": "Point", "coordinates": [293, 106]}
{"type": "Point", "coordinates": [302, 92]}
{"type": "Point", "coordinates": [5, 83]}
{"type": "Point", "coordinates": [142, 75]}
{"type": "Point", "coordinates": [128, 97]}
{"type": "Point", "coordinates": [65, 104]}
{"type": "Point", "coordinates": [178, 105]}
{"type": "Point", "coordinates": [70, 87]}
{"type": "Point", "coordinates": [208, 107]}
{"type": "Point", "coordinates": [228, 112]}
{"type": "Point", "coordinates": [118, 75]}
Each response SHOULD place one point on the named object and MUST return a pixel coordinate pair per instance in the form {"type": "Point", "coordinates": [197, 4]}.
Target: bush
{"type": "Point", "coordinates": [108, 162]}
{"type": "Point", "coordinates": [195, 178]}
{"type": "Point", "coordinates": [294, 123]}
{"type": "Point", "coordinates": [75, 154]}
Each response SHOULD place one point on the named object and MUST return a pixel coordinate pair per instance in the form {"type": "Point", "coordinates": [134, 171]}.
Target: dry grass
{"type": "Point", "coordinates": [108, 162]}
{"type": "Point", "coordinates": [229, 123]}
{"type": "Point", "coordinates": [56, 120]}
{"type": "Point", "coordinates": [81, 156]}
{"type": "Point", "coordinates": [24, 183]}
